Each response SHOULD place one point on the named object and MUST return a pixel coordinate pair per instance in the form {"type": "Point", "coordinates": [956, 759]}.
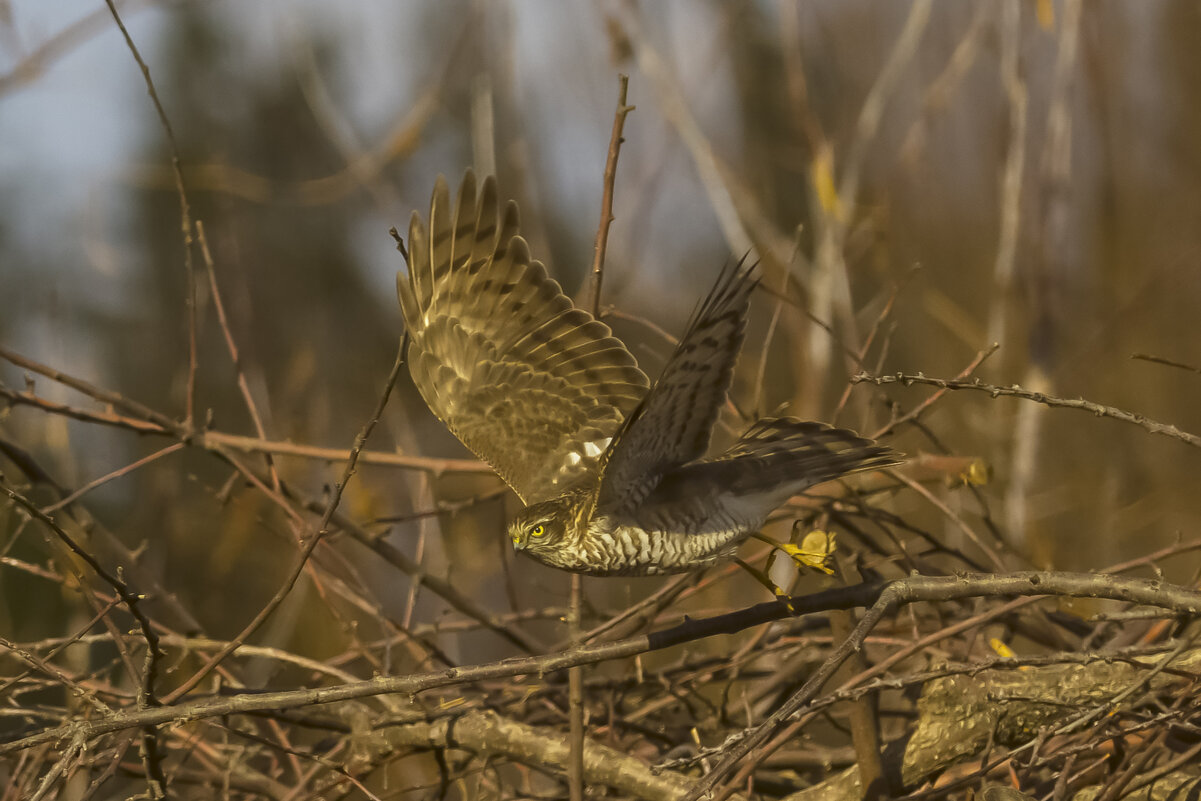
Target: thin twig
{"type": "Point", "coordinates": [916, 412]}
{"type": "Point", "coordinates": [432, 465]}
{"type": "Point", "coordinates": [575, 676]}
{"type": "Point", "coordinates": [1147, 357]}
{"type": "Point", "coordinates": [1011, 181]}
{"type": "Point", "coordinates": [113, 399]}
{"type": "Point", "coordinates": [185, 217]}
{"type": "Point", "coordinates": [606, 218]}
{"type": "Point", "coordinates": [742, 221]}
{"type": "Point", "coordinates": [883, 90]}
{"type": "Point", "coordinates": [218, 305]}
{"type": "Point", "coordinates": [1015, 391]}
{"type": "Point", "coordinates": [44, 665]}
{"type": "Point", "coordinates": [146, 698]}
{"type": "Point", "coordinates": [322, 530]}
{"type": "Point", "coordinates": [39, 475]}
{"type": "Point", "coordinates": [115, 474]}
{"type": "Point", "coordinates": [128, 596]}
{"type": "Point", "coordinates": [942, 90]}
{"type": "Point", "coordinates": [868, 341]}
{"type": "Point", "coordinates": [37, 60]}
{"type": "Point", "coordinates": [812, 686]}
{"type": "Point", "coordinates": [967, 530]}
{"type": "Point", "coordinates": [219, 444]}
{"type": "Point", "coordinates": [218, 441]}
{"type": "Point", "coordinates": [575, 696]}
{"type": "Point", "coordinates": [854, 686]}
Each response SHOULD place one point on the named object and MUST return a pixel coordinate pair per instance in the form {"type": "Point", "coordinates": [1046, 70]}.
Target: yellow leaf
{"type": "Point", "coordinates": [823, 183]}
{"type": "Point", "coordinates": [1001, 648]}
{"type": "Point", "coordinates": [977, 474]}
{"type": "Point", "coordinates": [1045, 11]}
{"type": "Point", "coordinates": [1005, 651]}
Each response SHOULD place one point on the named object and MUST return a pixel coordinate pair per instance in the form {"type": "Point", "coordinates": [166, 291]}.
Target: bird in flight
{"type": "Point", "coordinates": [611, 467]}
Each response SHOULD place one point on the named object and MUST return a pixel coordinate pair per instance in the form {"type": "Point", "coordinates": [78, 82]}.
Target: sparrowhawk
{"type": "Point", "coordinates": [612, 468]}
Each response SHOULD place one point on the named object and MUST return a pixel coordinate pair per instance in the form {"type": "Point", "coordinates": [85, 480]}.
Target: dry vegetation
{"type": "Point", "coordinates": [238, 558]}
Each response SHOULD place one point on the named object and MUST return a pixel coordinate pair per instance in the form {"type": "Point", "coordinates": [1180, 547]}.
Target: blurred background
{"type": "Point", "coordinates": [920, 180]}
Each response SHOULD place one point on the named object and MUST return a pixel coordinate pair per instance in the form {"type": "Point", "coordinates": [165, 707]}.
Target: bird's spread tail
{"type": "Point", "coordinates": [795, 454]}
{"type": "Point", "coordinates": [774, 460]}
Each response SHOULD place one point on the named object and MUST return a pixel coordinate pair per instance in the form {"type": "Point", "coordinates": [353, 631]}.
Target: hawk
{"type": "Point", "coordinates": [612, 469]}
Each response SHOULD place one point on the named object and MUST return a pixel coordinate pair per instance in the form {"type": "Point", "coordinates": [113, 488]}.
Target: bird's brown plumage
{"type": "Point", "coordinates": [526, 381]}
{"type": "Point", "coordinates": [612, 470]}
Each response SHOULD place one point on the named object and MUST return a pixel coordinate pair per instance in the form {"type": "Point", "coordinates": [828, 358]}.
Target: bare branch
{"type": "Point", "coordinates": [1015, 391]}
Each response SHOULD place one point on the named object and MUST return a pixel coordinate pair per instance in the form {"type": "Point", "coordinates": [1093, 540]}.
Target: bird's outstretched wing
{"type": "Point", "coordinates": [775, 459]}
{"type": "Point", "coordinates": [532, 385]}
{"type": "Point", "coordinates": [673, 423]}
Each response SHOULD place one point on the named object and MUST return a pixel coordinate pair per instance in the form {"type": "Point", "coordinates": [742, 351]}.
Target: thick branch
{"type": "Point", "coordinates": [486, 732]}
{"type": "Point", "coordinates": [960, 716]}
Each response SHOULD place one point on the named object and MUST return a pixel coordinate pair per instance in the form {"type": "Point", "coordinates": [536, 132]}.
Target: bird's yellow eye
{"type": "Point", "coordinates": [538, 530]}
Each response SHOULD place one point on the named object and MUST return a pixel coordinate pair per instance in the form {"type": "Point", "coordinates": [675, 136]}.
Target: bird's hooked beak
{"type": "Point", "coordinates": [518, 542]}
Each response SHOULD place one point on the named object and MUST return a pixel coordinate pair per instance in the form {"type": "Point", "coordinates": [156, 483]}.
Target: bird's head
{"type": "Point", "coordinates": [540, 527]}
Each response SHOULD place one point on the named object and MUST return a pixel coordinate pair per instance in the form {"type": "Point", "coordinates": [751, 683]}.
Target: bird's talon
{"type": "Point", "coordinates": [786, 600]}
{"type": "Point", "coordinates": [815, 551]}
{"type": "Point", "coordinates": [803, 558]}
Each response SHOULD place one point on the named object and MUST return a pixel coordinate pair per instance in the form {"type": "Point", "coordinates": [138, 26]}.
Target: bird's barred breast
{"type": "Point", "coordinates": [621, 550]}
